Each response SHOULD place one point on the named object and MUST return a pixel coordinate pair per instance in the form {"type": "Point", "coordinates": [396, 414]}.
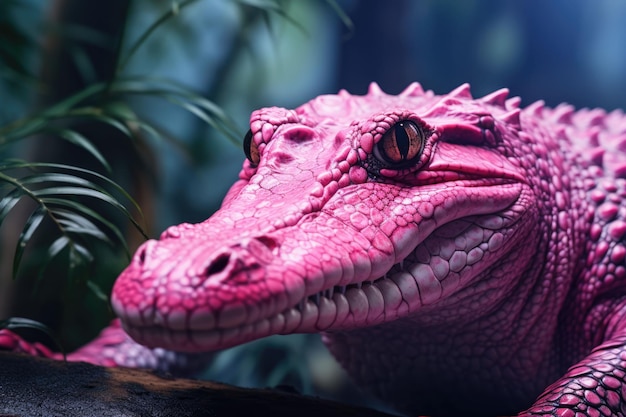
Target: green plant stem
{"type": "Point", "coordinates": [174, 10]}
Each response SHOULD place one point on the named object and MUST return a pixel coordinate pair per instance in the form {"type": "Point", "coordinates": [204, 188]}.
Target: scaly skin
{"type": "Point", "coordinates": [461, 256]}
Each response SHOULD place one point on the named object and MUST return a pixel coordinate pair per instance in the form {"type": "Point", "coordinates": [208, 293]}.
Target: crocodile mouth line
{"type": "Point", "coordinates": [395, 294]}
{"type": "Point", "coordinates": [304, 317]}
{"type": "Point", "coordinates": [310, 314]}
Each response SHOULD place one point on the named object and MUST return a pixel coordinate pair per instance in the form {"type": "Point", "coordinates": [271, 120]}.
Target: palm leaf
{"type": "Point", "coordinates": [30, 226]}
{"type": "Point", "coordinates": [177, 6]}
{"type": "Point", "coordinates": [55, 196]}
{"type": "Point", "coordinates": [181, 96]}
{"type": "Point", "coordinates": [82, 142]}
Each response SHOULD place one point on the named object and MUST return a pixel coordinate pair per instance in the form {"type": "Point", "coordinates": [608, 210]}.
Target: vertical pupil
{"type": "Point", "coordinates": [402, 140]}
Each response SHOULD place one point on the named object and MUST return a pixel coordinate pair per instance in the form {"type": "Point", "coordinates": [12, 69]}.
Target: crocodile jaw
{"type": "Point", "coordinates": [323, 273]}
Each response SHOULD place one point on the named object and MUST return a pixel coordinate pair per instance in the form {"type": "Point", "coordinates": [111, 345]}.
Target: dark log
{"type": "Point", "coordinates": [31, 386]}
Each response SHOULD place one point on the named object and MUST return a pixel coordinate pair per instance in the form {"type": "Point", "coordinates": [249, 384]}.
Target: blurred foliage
{"type": "Point", "coordinates": [15, 41]}
{"type": "Point", "coordinates": [18, 48]}
{"type": "Point", "coordinates": [57, 190]}
{"type": "Point", "coordinates": [62, 209]}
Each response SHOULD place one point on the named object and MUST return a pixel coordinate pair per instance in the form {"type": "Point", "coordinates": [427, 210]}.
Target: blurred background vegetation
{"type": "Point", "coordinates": [151, 94]}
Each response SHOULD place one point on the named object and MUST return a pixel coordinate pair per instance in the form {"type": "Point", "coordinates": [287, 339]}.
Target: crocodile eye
{"type": "Point", "coordinates": [401, 144]}
{"type": "Point", "coordinates": [251, 149]}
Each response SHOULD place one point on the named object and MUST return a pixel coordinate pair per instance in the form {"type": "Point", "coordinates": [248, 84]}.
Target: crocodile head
{"type": "Point", "coordinates": [350, 211]}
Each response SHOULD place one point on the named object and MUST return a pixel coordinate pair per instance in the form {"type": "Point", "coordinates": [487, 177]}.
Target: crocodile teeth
{"type": "Point", "coordinates": [363, 301]}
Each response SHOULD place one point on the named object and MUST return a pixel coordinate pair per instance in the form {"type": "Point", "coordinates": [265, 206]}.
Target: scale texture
{"type": "Point", "coordinates": [461, 256]}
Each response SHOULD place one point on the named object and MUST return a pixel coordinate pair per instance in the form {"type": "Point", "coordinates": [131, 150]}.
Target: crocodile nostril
{"type": "Point", "coordinates": [142, 255]}
{"type": "Point", "coordinates": [218, 265]}
{"type": "Point", "coordinates": [268, 242]}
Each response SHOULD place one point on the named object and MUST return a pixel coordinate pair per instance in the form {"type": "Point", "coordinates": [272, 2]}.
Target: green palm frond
{"type": "Point", "coordinates": [110, 108]}
{"type": "Point", "coordinates": [181, 96]}
{"type": "Point", "coordinates": [58, 192]}
{"type": "Point", "coordinates": [174, 10]}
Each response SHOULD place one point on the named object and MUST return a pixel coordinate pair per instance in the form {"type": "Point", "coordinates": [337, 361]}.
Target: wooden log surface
{"type": "Point", "coordinates": [31, 386]}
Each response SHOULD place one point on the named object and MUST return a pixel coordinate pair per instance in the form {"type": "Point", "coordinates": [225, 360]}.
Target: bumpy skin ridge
{"type": "Point", "coordinates": [461, 256]}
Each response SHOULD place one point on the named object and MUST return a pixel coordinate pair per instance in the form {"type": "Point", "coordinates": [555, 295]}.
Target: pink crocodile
{"type": "Point", "coordinates": [461, 256]}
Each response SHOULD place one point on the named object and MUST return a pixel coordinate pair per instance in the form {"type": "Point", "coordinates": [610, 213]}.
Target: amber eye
{"type": "Point", "coordinates": [251, 149]}
{"type": "Point", "coordinates": [401, 144]}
